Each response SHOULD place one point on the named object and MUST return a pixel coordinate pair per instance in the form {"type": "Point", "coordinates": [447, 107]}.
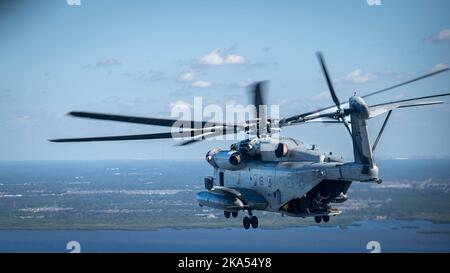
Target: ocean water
{"type": "Point", "coordinates": [392, 236]}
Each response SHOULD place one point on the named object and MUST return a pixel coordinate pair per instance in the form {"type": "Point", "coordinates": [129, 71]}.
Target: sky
{"type": "Point", "coordinates": [143, 58]}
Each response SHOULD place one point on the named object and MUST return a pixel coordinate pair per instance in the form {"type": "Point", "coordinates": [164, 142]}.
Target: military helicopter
{"type": "Point", "coordinates": [279, 174]}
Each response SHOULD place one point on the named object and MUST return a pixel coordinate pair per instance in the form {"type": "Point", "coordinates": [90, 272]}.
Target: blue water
{"type": "Point", "coordinates": [393, 236]}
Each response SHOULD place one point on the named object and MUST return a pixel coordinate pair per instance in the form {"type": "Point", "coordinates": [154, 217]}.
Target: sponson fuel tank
{"type": "Point", "coordinates": [219, 200]}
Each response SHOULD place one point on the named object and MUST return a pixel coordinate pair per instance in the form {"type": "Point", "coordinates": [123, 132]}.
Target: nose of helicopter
{"type": "Point", "coordinates": [359, 106]}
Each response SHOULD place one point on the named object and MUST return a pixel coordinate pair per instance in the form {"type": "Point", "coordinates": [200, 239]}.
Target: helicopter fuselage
{"type": "Point", "coordinates": [279, 175]}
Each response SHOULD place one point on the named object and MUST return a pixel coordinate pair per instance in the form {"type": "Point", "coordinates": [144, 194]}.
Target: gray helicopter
{"type": "Point", "coordinates": [279, 174]}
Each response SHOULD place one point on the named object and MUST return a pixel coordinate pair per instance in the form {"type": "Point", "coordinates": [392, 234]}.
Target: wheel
{"type": "Point", "coordinates": [227, 214]}
{"type": "Point", "coordinates": [326, 219]}
{"type": "Point", "coordinates": [246, 222]}
{"type": "Point", "coordinates": [318, 219]}
{"type": "Point", "coordinates": [254, 221]}
{"type": "Point", "coordinates": [234, 214]}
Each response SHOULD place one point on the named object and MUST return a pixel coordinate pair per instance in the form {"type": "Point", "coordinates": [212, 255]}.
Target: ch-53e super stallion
{"type": "Point", "coordinates": [279, 174]}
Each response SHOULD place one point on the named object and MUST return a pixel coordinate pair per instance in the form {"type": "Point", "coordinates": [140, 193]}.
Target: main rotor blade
{"type": "Point", "coordinates": [258, 95]}
{"type": "Point", "coordinates": [207, 135]}
{"type": "Point", "coordinates": [328, 78]}
{"type": "Point", "coordinates": [381, 108]}
{"type": "Point", "coordinates": [115, 138]}
{"type": "Point", "coordinates": [413, 99]}
{"type": "Point", "coordinates": [286, 121]}
{"type": "Point", "coordinates": [193, 134]}
{"type": "Point", "coordinates": [406, 82]}
{"type": "Point", "coordinates": [141, 120]}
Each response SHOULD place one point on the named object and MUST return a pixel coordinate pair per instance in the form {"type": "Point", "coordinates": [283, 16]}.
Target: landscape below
{"type": "Point", "coordinates": [141, 194]}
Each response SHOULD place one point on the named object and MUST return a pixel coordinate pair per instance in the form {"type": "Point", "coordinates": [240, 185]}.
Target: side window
{"type": "Point", "coordinates": [269, 182]}
{"type": "Point", "coordinates": [261, 181]}
{"type": "Point", "coordinates": [255, 181]}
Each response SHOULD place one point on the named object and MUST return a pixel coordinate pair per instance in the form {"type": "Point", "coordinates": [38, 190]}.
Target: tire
{"type": "Point", "coordinates": [246, 222]}
{"type": "Point", "coordinates": [326, 219]}
{"type": "Point", "coordinates": [254, 222]}
{"type": "Point", "coordinates": [226, 214]}
{"type": "Point", "coordinates": [234, 214]}
{"type": "Point", "coordinates": [318, 219]}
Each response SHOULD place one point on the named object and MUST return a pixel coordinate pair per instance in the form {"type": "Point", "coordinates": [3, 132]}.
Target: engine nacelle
{"type": "Point", "coordinates": [273, 152]}
{"type": "Point", "coordinates": [228, 160]}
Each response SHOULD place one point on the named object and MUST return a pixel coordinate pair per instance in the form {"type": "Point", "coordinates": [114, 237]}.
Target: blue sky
{"type": "Point", "coordinates": [142, 57]}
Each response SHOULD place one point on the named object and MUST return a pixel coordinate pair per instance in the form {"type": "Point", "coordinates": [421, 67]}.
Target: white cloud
{"type": "Point", "coordinates": [187, 76]}
{"type": "Point", "coordinates": [234, 59]}
{"type": "Point", "coordinates": [358, 76]}
{"type": "Point", "coordinates": [443, 35]}
{"type": "Point", "coordinates": [180, 105]}
{"type": "Point", "coordinates": [213, 58]}
{"type": "Point", "coordinates": [439, 67]}
{"type": "Point", "coordinates": [201, 84]}
{"type": "Point", "coordinates": [216, 58]}
{"type": "Point", "coordinates": [374, 2]}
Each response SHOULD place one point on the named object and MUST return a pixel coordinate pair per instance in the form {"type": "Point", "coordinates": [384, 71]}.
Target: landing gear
{"type": "Point", "coordinates": [234, 214]}
{"type": "Point", "coordinates": [254, 221]}
{"type": "Point", "coordinates": [318, 219]}
{"type": "Point", "coordinates": [250, 221]}
{"type": "Point", "coordinates": [326, 219]}
{"type": "Point", "coordinates": [246, 221]}
{"type": "Point", "coordinates": [227, 214]}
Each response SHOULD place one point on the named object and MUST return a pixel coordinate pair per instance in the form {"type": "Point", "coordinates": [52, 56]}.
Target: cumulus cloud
{"type": "Point", "coordinates": [180, 105]}
{"type": "Point", "coordinates": [201, 84]}
{"type": "Point", "coordinates": [234, 59]}
{"type": "Point", "coordinates": [190, 77]}
{"type": "Point", "coordinates": [217, 57]}
{"type": "Point", "coordinates": [108, 62]}
{"type": "Point", "coordinates": [357, 77]}
{"type": "Point", "coordinates": [187, 76]}
{"type": "Point", "coordinates": [442, 36]}
{"type": "Point", "coordinates": [213, 58]}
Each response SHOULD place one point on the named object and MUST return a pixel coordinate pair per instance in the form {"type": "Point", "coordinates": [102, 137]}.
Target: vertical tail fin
{"type": "Point", "coordinates": [362, 150]}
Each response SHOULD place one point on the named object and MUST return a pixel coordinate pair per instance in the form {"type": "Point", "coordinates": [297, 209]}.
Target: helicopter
{"type": "Point", "coordinates": [264, 172]}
